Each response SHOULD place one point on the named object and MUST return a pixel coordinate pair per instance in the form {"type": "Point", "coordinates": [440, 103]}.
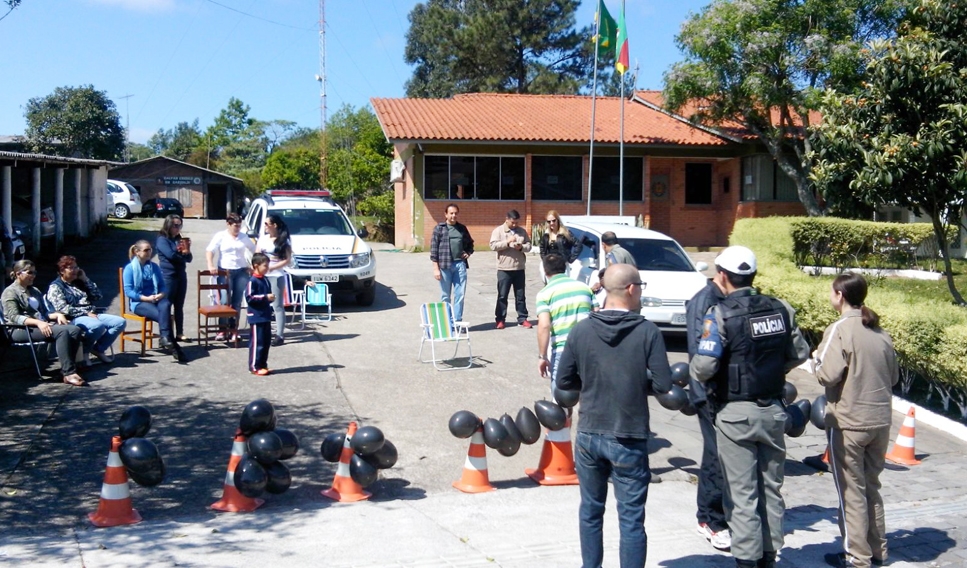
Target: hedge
{"type": "Point", "coordinates": [930, 336]}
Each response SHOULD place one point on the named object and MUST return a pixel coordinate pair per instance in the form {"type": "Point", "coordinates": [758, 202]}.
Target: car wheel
{"type": "Point", "coordinates": [121, 211]}
{"type": "Point", "coordinates": [366, 297]}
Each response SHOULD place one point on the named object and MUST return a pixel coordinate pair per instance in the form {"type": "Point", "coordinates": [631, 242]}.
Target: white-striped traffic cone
{"type": "Point", "coordinates": [903, 451]}
{"type": "Point", "coordinates": [556, 466]}
{"type": "Point", "coordinates": [475, 478]}
{"type": "Point", "coordinates": [232, 501]}
{"type": "Point", "coordinates": [115, 506]}
{"type": "Point", "coordinates": [344, 489]}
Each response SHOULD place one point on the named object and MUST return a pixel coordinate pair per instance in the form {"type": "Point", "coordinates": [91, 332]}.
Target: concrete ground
{"type": "Point", "coordinates": [363, 366]}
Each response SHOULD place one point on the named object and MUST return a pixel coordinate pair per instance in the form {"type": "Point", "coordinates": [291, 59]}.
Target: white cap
{"type": "Point", "coordinates": [737, 260]}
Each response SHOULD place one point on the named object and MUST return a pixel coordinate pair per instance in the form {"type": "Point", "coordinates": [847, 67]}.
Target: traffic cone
{"type": "Point", "coordinates": [556, 466]}
{"type": "Point", "coordinates": [903, 449]}
{"type": "Point", "coordinates": [344, 489]}
{"type": "Point", "coordinates": [475, 478]}
{"type": "Point", "coordinates": [115, 506]}
{"type": "Point", "coordinates": [820, 462]}
{"type": "Point", "coordinates": [232, 501]}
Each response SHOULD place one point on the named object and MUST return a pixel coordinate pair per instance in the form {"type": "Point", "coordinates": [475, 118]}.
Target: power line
{"type": "Point", "coordinates": [257, 17]}
{"type": "Point", "coordinates": [382, 43]}
{"type": "Point", "coordinates": [372, 89]}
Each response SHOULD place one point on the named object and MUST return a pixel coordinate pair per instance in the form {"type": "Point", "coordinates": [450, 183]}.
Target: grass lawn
{"type": "Point", "coordinates": [930, 289]}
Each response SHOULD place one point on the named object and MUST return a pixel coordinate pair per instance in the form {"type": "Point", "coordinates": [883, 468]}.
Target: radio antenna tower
{"type": "Point", "coordinates": [321, 77]}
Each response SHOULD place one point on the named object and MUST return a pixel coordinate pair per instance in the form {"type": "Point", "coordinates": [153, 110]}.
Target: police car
{"type": "Point", "coordinates": [670, 276]}
{"type": "Point", "coordinates": [326, 248]}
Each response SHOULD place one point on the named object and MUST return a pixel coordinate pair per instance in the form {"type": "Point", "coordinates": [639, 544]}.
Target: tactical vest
{"type": "Point", "coordinates": [757, 331]}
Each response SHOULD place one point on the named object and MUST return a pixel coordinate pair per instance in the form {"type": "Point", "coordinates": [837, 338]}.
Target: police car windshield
{"type": "Point", "coordinates": [315, 222]}
{"type": "Point", "coordinates": [657, 254]}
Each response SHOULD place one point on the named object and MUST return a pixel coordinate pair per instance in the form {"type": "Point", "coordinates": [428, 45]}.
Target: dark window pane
{"type": "Point", "coordinates": [488, 178]}
{"type": "Point", "coordinates": [604, 175]}
{"type": "Point", "coordinates": [557, 178]}
{"type": "Point", "coordinates": [461, 177]}
{"type": "Point", "coordinates": [512, 178]}
{"type": "Point", "coordinates": [698, 184]}
{"type": "Point", "coordinates": [436, 175]}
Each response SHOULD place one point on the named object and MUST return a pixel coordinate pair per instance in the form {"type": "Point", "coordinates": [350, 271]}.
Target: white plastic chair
{"type": "Point", "coordinates": [438, 327]}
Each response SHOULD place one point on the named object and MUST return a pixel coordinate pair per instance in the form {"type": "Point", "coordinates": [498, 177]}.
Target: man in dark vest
{"type": "Point", "coordinates": [749, 342]}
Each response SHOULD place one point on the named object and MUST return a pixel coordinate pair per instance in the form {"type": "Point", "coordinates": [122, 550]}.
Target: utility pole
{"type": "Point", "coordinates": [321, 77]}
{"type": "Point", "coordinates": [127, 127]}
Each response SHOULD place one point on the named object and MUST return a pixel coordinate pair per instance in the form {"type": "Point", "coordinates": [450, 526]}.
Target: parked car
{"type": "Point", "coordinates": [162, 207]}
{"type": "Point", "coordinates": [670, 276]}
{"type": "Point", "coordinates": [125, 199]}
{"type": "Point", "coordinates": [17, 244]}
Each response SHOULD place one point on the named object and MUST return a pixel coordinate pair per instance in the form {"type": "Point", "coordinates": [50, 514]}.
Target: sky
{"type": "Point", "coordinates": [167, 61]}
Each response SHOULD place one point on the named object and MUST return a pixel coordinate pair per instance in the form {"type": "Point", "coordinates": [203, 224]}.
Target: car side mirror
{"type": "Point", "coordinates": [362, 232]}
{"type": "Point", "coordinates": [701, 266]}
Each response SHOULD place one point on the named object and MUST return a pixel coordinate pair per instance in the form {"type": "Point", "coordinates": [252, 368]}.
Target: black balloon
{"type": "Point", "coordinates": [143, 461]}
{"type": "Point", "coordinates": [495, 435]}
{"type": "Point", "coordinates": [331, 447]}
{"type": "Point", "coordinates": [279, 478]}
{"type": "Point", "coordinates": [528, 426]}
{"type": "Point", "coordinates": [512, 444]}
{"type": "Point", "coordinates": [135, 422]}
{"type": "Point", "coordinates": [150, 478]}
{"type": "Point", "coordinates": [795, 420]}
{"type": "Point", "coordinates": [817, 414]}
{"type": "Point", "coordinates": [362, 472]}
{"type": "Point", "coordinates": [680, 374]}
{"type": "Point", "coordinates": [510, 447]}
{"type": "Point", "coordinates": [250, 477]}
{"type": "Point", "coordinates": [290, 443]}
{"type": "Point", "coordinates": [550, 415]}
{"type": "Point", "coordinates": [566, 398]}
{"type": "Point", "coordinates": [383, 458]}
{"type": "Point", "coordinates": [464, 423]}
{"type": "Point", "coordinates": [266, 447]}
{"type": "Point", "coordinates": [789, 393]}
{"type": "Point", "coordinates": [674, 399]}
{"type": "Point", "coordinates": [367, 440]}
{"type": "Point", "coordinates": [258, 416]}
{"type": "Point", "coordinates": [805, 406]}
{"type": "Point", "coordinates": [689, 409]}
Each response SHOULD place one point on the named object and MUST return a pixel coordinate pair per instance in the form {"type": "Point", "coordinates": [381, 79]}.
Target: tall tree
{"type": "Point", "coordinates": [180, 142]}
{"type": "Point", "coordinates": [10, 4]}
{"type": "Point", "coordinates": [292, 169]}
{"type": "Point", "coordinates": [505, 46]}
{"type": "Point", "coordinates": [763, 63]}
{"type": "Point", "coordinates": [901, 139]}
{"type": "Point", "coordinates": [230, 124]}
{"type": "Point", "coordinates": [75, 121]}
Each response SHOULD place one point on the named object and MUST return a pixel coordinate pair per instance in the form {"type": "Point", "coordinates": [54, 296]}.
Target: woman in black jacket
{"type": "Point", "coordinates": [557, 239]}
{"type": "Point", "coordinates": [174, 254]}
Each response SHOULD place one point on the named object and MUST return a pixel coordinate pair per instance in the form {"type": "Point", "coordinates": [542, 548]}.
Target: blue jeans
{"type": "Point", "coordinates": [455, 276]}
{"type": "Point", "coordinates": [99, 332]}
{"type": "Point", "coordinates": [237, 281]}
{"type": "Point", "coordinates": [159, 312]}
{"type": "Point", "coordinates": [625, 461]}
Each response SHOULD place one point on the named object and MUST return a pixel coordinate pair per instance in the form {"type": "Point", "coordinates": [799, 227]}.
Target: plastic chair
{"type": "Point", "coordinates": [145, 335]}
{"type": "Point", "coordinates": [317, 296]}
{"type": "Point", "coordinates": [294, 299]}
{"type": "Point", "coordinates": [438, 327]}
{"type": "Point", "coordinates": [209, 284]}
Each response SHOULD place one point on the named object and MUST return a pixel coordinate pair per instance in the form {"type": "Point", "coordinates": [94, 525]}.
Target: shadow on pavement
{"type": "Point", "coordinates": [699, 561]}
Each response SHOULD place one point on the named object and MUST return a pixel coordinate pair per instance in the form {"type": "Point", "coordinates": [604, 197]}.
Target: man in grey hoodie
{"type": "Point", "coordinates": [607, 357]}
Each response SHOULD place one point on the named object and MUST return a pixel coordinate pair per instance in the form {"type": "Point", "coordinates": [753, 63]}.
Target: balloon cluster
{"type": "Point", "coordinates": [139, 455]}
{"type": "Point", "coordinates": [677, 396]}
{"type": "Point", "coordinates": [800, 411]}
{"type": "Point", "coordinates": [371, 453]}
{"type": "Point", "coordinates": [260, 469]}
{"type": "Point", "coordinates": [506, 434]}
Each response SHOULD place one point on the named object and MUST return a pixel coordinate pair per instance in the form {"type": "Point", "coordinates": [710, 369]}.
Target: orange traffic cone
{"type": "Point", "coordinates": [475, 478]}
{"type": "Point", "coordinates": [556, 466]}
{"type": "Point", "coordinates": [344, 488]}
{"type": "Point", "coordinates": [115, 506]}
{"type": "Point", "coordinates": [232, 501]}
{"type": "Point", "coordinates": [903, 449]}
{"type": "Point", "coordinates": [820, 462]}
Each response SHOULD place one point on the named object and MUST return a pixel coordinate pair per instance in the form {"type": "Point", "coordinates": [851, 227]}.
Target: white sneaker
{"type": "Point", "coordinates": [721, 540]}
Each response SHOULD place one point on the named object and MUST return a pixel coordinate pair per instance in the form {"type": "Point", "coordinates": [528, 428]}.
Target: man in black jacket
{"type": "Point", "coordinates": [607, 357]}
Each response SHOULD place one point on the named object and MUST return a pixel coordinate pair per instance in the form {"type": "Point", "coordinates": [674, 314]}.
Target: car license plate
{"type": "Point", "coordinates": [328, 278]}
{"type": "Point", "coordinates": [678, 319]}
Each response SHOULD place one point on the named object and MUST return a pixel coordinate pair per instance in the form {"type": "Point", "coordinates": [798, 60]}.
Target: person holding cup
{"type": "Point", "coordinates": [174, 254]}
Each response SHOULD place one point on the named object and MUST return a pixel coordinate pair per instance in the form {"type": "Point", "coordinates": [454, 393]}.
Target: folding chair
{"type": "Point", "coordinates": [294, 299]}
{"type": "Point", "coordinates": [316, 296]}
{"type": "Point", "coordinates": [438, 327]}
{"type": "Point", "coordinates": [209, 284]}
{"type": "Point", "coordinates": [145, 336]}
{"type": "Point", "coordinates": [8, 337]}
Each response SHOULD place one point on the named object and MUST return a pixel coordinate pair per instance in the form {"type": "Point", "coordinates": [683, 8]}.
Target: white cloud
{"type": "Point", "coordinates": [138, 5]}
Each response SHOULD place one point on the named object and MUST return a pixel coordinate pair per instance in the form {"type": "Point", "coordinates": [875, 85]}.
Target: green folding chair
{"type": "Point", "coordinates": [438, 327]}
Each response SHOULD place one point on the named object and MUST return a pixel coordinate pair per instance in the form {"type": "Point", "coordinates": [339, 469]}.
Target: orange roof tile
{"type": "Point", "coordinates": [532, 118]}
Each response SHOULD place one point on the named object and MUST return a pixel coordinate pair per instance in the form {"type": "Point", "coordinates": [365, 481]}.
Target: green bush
{"type": "Point", "coordinates": [930, 336]}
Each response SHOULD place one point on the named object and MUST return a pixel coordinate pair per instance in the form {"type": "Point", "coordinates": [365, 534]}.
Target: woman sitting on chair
{"type": "Point", "coordinates": [24, 305]}
{"type": "Point", "coordinates": [144, 286]}
{"type": "Point", "coordinates": [73, 294]}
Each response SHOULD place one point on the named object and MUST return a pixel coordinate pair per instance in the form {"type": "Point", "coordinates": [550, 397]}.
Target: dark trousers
{"type": "Point", "coordinates": [711, 508]}
{"type": "Point", "coordinates": [177, 287]}
{"type": "Point", "coordinates": [66, 339]}
{"type": "Point", "coordinates": [159, 312]}
{"type": "Point", "coordinates": [258, 346]}
{"type": "Point", "coordinates": [237, 281]}
{"type": "Point", "coordinates": [506, 279]}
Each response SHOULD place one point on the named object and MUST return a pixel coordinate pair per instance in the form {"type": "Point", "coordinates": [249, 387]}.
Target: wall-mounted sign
{"type": "Point", "coordinates": [180, 180]}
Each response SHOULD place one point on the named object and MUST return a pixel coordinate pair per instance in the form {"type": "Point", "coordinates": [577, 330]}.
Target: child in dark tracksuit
{"type": "Point", "coordinates": [259, 296]}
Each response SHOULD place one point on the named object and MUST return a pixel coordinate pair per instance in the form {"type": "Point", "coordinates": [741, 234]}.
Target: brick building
{"type": "Point", "coordinates": [202, 192]}
{"type": "Point", "coordinates": [494, 152]}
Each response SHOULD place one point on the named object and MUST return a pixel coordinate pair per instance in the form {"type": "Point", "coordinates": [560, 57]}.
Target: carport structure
{"type": "Point", "coordinates": [74, 187]}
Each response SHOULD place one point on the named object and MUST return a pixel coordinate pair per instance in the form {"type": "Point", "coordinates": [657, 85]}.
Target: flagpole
{"type": "Point", "coordinates": [621, 142]}
{"type": "Point", "coordinates": [594, 96]}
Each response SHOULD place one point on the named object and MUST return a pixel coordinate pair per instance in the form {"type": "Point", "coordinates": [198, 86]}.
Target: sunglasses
{"type": "Point", "coordinates": [145, 250]}
{"type": "Point", "coordinates": [234, 224]}
{"type": "Point", "coordinates": [552, 220]}
{"type": "Point", "coordinates": [29, 272]}
{"type": "Point", "coordinates": [176, 225]}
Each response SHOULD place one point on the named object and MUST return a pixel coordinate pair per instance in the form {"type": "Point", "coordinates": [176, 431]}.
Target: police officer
{"type": "Point", "coordinates": [749, 342]}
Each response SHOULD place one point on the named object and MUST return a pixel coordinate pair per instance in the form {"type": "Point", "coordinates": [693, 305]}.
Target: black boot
{"type": "Point", "coordinates": [179, 355]}
{"type": "Point", "coordinates": [768, 560]}
{"type": "Point", "coordinates": [744, 563]}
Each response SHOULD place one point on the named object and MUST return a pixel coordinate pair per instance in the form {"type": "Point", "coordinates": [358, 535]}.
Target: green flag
{"type": "Point", "coordinates": [607, 29]}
